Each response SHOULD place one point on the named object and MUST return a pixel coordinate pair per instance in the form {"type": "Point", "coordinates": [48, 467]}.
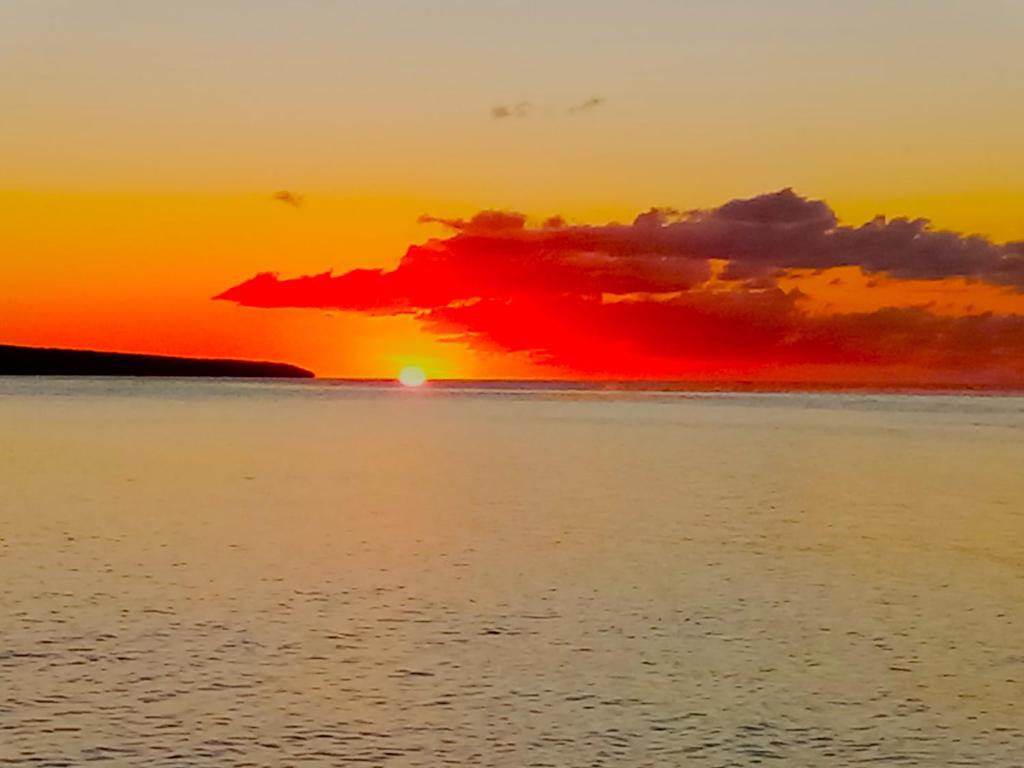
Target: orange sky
{"type": "Point", "coordinates": [142, 146]}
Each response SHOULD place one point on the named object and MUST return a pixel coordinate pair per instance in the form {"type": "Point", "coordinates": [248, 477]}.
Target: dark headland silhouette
{"type": "Point", "coordinates": [35, 361]}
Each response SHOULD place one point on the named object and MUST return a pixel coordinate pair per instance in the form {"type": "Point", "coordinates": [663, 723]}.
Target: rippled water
{"type": "Point", "coordinates": [303, 574]}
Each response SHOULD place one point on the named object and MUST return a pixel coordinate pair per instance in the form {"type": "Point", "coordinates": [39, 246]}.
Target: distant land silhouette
{"type": "Point", "coordinates": [35, 361]}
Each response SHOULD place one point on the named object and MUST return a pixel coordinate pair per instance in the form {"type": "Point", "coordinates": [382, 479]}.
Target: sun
{"type": "Point", "coordinates": [412, 376]}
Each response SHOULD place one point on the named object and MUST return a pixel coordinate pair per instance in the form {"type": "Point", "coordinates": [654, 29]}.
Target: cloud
{"type": "Point", "coordinates": [526, 109]}
{"type": "Point", "coordinates": [586, 106]}
{"type": "Point", "coordinates": [520, 110]}
{"type": "Point", "coordinates": [763, 235]}
{"type": "Point", "coordinates": [740, 333]}
{"type": "Point", "coordinates": [288, 198]}
{"type": "Point", "coordinates": [680, 293]}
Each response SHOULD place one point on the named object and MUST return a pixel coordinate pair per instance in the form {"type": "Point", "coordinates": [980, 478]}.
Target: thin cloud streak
{"type": "Point", "coordinates": [524, 109]}
{"type": "Point", "coordinates": [586, 106]}
{"type": "Point", "coordinates": [520, 110]}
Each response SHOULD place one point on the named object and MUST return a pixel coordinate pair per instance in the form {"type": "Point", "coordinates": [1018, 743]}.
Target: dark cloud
{"type": "Point", "coordinates": [771, 233]}
{"type": "Point", "coordinates": [288, 198]}
{"type": "Point", "coordinates": [639, 297]}
{"type": "Point", "coordinates": [485, 221]}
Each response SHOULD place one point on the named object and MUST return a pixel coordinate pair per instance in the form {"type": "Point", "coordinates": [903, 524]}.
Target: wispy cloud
{"type": "Point", "coordinates": [520, 110]}
{"type": "Point", "coordinates": [293, 199]}
{"type": "Point", "coordinates": [524, 109]}
{"type": "Point", "coordinates": [586, 106]}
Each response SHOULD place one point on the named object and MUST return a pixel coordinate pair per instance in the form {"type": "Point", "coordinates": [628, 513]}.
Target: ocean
{"type": "Point", "coordinates": [315, 573]}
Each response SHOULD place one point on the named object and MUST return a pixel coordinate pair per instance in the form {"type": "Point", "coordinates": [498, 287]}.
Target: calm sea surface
{"type": "Point", "coordinates": [309, 574]}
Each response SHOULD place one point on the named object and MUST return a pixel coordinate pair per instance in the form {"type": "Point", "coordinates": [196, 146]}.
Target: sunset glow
{"type": "Point", "coordinates": [465, 383]}
{"type": "Point", "coordinates": [586, 217]}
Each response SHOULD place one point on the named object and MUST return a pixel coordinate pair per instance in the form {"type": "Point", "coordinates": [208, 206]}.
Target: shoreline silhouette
{"type": "Point", "coordinates": [44, 361]}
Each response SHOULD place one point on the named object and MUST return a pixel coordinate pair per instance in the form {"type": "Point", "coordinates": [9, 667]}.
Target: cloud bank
{"type": "Point", "coordinates": [705, 292]}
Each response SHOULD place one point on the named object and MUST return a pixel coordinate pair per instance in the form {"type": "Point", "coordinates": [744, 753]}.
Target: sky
{"type": "Point", "coordinates": [535, 189]}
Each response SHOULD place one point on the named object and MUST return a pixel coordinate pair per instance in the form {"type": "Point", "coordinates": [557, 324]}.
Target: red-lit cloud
{"type": "Point", "coordinates": [685, 293]}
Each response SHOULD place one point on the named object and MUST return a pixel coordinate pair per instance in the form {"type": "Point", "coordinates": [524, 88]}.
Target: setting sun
{"type": "Point", "coordinates": [412, 376]}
